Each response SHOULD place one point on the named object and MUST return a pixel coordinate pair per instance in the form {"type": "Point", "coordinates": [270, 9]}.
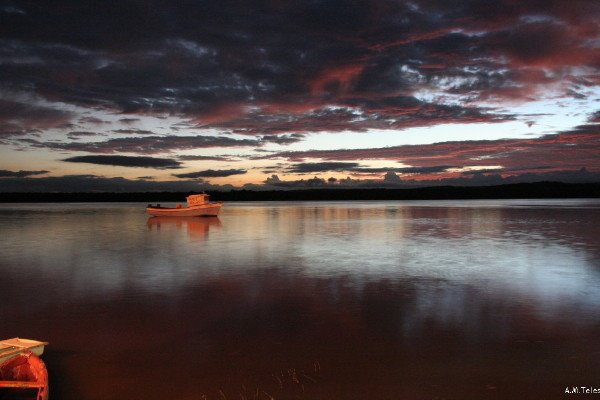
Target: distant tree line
{"type": "Point", "coordinates": [511, 191]}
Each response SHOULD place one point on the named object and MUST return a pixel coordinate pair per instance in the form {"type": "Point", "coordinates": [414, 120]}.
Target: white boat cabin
{"type": "Point", "coordinates": [196, 199]}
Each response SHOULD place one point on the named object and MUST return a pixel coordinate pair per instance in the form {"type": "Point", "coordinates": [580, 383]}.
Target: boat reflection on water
{"type": "Point", "coordinates": [197, 227]}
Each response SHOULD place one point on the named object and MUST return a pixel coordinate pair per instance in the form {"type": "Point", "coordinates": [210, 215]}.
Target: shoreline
{"type": "Point", "coordinates": [539, 190]}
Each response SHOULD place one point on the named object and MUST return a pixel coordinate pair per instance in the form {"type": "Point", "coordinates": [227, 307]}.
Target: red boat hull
{"type": "Point", "coordinates": [204, 210]}
{"type": "Point", "coordinates": [24, 376]}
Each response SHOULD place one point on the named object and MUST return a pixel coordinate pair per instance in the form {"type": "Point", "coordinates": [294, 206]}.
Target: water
{"type": "Point", "coordinates": [307, 300]}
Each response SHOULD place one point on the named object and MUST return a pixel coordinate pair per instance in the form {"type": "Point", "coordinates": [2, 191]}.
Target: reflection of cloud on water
{"type": "Point", "coordinates": [380, 294]}
{"type": "Point", "coordinates": [547, 258]}
{"type": "Point", "coordinates": [196, 227]}
{"type": "Point", "coordinates": [364, 333]}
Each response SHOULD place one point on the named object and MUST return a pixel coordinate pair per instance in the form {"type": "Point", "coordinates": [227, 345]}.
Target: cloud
{"type": "Point", "coordinates": [76, 135]}
{"type": "Point", "coordinates": [274, 182]}
{"type": "Point", "coordinates": [390, 180]}
{"type": "Point", "coordinates": [129, 120]}
{"type": "Point", "coordinates": [146, 144]}
{"type": "Point", "coordinates": [278, 72]}
{"type": "Point", "coordinates": [405, 170]}
{"type": "Point", "coordinates": [351, 114]}
{"type": "Point", "coordinates": [354, 168]}
{"type": "Point", "coordinates": [204, 158]}
{"type": "Point", "coordinates": [299, 57]}
{"type": "Point", "coordinates": [12, 10]}
{"type": "Point", "coordinates": [133, 131]}
{"type": "Point", "coordinates": [92, 183]}
{"type": "Point", "coordinates": [321, 167]}
{"type": "Point", "coordinates": [522, 170]}
{"type": "Point", "coordinates": [18, 118]}
{"type": "Point", "coordinates": [82, 133]}
{"type": "Point", "coordinates": [92, 120]}
{"type": "Point", "coordinates": [282, 139]}
{"type": "Point", "coordinates": [127, 161]}
{"type": "Point", "coordinates": [20, 174]}
{"type": "Point", "coordinates": [569, 150]}
{"type": "Point", "coordinates": [211, 173]}
{"type": "Point", "coordinates": [391, 176]}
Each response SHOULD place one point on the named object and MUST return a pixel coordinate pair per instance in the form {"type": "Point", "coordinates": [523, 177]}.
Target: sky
{"type": "Point", "coordinates": [216, 95]}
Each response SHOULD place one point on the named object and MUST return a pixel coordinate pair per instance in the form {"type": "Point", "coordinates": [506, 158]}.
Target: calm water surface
{"type": "Point", "coordinates": [307, 300]}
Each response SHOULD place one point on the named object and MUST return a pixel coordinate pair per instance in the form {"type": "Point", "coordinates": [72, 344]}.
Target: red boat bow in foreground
{"type": "Point", "coordinates": [24, 376]}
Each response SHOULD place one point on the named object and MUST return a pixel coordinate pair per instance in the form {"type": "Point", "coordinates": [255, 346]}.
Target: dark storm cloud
{"type": "Point", "coordinates": [82, 133]}
{"type": "Point", "coordinates": [406, 170]}
{"type": "Point", "coordinates": [321, 167]}
{"type": "Point", "coordinates": [595, 117]}
{"type": "Point", "coordinates": [129, 120]}
{"type": "Point", "coordinates": [204, 158]}
{"type": "Point", "coordinates": [211, 173]}
{"type": "Point", "coordinates": [133, 131]}
{"type": "Point", "coordinates": [18, 118]}
{"type": "Point", "coordinates": [11, 9]}
{"type": "Point", "coordinates": [77, 135]}
{"type": "Point", "coordinates": [356, 114]}
{"type": "Point", "coordinates": [127, 161]}
{"type": "Point", "coordinates": [92, 120]}
{"type": "Point", "coordinates": [145, 145]}
{"type": "Point", "coordinates": [283, 139]}
{"type": "Point", "coordinates": [218, 63]}
{"type": "Point", "coordinates": [92, 183]}
{"type": "Point", "coordinates": [20, 174]}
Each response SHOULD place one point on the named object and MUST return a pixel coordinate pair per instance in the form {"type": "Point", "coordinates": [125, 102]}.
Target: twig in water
{"type": "Point", "coordinates": [279, 382]}
{"type": "Point", "coordinates": [309, 378]}
{"type": "Point", "coordinates": [292, 374]}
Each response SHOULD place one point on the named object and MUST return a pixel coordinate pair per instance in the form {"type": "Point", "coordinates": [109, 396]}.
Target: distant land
{"type": "Point", "coordinates": [538, 190]}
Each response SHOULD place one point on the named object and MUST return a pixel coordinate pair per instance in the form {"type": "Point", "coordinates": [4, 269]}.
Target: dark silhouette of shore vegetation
{"type": "Point", "coordinates": [538, 190]}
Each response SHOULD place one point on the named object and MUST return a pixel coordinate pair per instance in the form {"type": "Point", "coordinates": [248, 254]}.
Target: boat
{"type": "Point", "coordinates": [23, 374]}
{"type": "Point", "coordinates": [197, 206]}
{"type": "Point", "coordinates": [12, 347]}
{"type": "Point", "coordinates": [24, 377]}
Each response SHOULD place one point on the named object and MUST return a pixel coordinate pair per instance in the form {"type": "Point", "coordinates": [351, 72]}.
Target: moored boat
{"type": "Point", "coordinates": [23, 374]}
{"type": "Point", "coordinates": [197, 206]}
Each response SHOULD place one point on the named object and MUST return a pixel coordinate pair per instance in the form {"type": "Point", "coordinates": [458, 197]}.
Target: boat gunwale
{"type": "Point", "coordinates": [16, 346]}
